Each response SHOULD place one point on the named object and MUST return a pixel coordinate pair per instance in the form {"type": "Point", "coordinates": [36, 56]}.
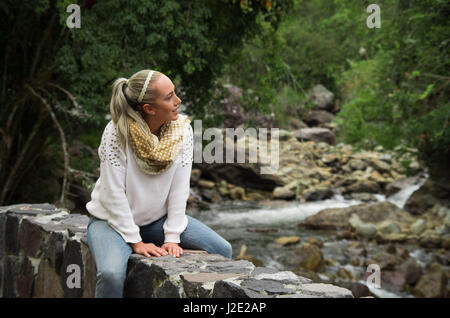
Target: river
{"type": "Point", "coordinates": [257, 225]}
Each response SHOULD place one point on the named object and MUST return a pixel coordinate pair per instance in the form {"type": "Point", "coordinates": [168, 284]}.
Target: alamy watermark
{"type": "Point", "coordinates": [374, 279]}
{"type": "Point", "coordinates": [74, 279]}
{"type": "Point", "coordinates": [256, 152]}
{"type": "Point", "coordinates": [374, 19]}
{"type": "Point", "coordinates": [73, 20]}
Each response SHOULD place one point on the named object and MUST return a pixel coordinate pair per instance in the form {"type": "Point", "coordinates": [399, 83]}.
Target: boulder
{"type": "Point", "coordinates": [398, 184]}
{"type": "Point", "coordinates": [384, 259]}
{"type": "Point", "coordinates": [338, 218]}
{"type": "Point", "coordinates": [317, 117]}
{"type": "Point", "coordinates": [388, 227]}
{"type": "Point", "coordinates": [432, 284]}
{"type": "Point", "coordinates": [206, 184]}
{"type": "Point", "coordinates": [287, 240]}
{"type": "Point", "coordinates": [321, 97]}
{"type": "Point", "coordinates": [317, 193]}
{"type": "Point", "coordinates": [308, 256]}
{"type": "Point", "coordinates": [283, 193]}
{"type": "Point", "coordinates": [411, 270]}
{"type": "Point", "coordinates": [247, 175]}
{"type": "Point", "coordinates": [418, 227]}
{"type": "Point", "coordinates": [316, 134]}
{"type": "Point", "coordinates": [422, 199]}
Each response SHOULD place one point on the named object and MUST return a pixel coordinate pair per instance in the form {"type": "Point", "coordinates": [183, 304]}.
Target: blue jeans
{"type": "Point", "coordinates": [111, 252]}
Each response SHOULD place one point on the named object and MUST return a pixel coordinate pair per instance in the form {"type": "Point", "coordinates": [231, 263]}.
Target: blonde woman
{"type": "Point", "coordinates": [138, 203]}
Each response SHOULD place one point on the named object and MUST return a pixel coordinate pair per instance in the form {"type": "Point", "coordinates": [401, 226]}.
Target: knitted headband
{"type": "Point", "coordinates": [144, 88]}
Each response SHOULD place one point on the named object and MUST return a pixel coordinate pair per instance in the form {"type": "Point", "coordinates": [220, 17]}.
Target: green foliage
{"type": "Point", "coordinates": [56, 77]}
{"type": "Point", "coordinates": [401, 95]}
{"type": "Point", "coordinates": [393, 82]}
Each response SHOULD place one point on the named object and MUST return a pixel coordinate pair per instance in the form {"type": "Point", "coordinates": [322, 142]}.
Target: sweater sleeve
{"type": "Point", "coordinates": [176, 221]}
{"type": "Point", "coordinates": [112, 192]}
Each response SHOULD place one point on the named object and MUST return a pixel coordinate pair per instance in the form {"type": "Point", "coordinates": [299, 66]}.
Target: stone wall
{"type": "Point", "coordinates": [39, 243]}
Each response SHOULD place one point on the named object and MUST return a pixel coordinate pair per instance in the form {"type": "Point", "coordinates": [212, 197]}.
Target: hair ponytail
{"type": "Point", "coordinates": [124, 102]}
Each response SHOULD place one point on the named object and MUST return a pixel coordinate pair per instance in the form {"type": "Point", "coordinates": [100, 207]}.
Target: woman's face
{"type": "Point", "coordinates": [167, 103]}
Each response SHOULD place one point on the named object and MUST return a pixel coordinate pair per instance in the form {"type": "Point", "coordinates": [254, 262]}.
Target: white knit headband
{"type": "Point", "coordinates": [144, 88]}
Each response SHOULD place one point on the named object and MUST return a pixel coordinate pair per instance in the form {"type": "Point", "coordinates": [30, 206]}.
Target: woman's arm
{"type": "Point", "coordinates": [176, 221]}
{"type": "Point", "coordinates": [112, 192]}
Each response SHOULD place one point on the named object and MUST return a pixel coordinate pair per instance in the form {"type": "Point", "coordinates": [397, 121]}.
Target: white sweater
{"type": "Point", "coordinates": [128, 198]}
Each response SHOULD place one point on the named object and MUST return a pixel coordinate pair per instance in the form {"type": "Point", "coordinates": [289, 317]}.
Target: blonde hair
{"type": "Point", "coordinates": [124, 101]}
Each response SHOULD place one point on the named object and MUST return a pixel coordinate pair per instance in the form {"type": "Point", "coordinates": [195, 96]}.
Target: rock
{"type": "Point", "coordinates": [11, 233]}
{"type": "Point", "coordinates": [225, 289]}
{"type": "Point", "coordinates": [357, 164]}
{"type": "Point", "coordinates": [321, 97]}
{"type": "Point", "coordinates": [317, 193]}
{"type": "Point", "coordinates": [287, 240]}
{"type": "Point", "coordinates": [399, 184]}
{"type": "Point", "coordinates": [237, 193]}
{"type": "Point", "coordinates": [317, 117]}
{"type": "Point", "coordinates": [48, 283]}
{"type": "Point", "coordinates": [206, 184]}
{"type": "Point", "coordinates": [326, 290]}
{"type": "Point", "coordinates": [195, 175]}
{"type": "Point", "coordinates": [295, 124]}
{"type": "Point", "coordinates": [30, 237]}
{"type": "Point", "coordinates": [345, 274]}
{"type": "Point", "coordinates": [247, 175]}
{"type": "Point", "coordinates": [380, 165]}
{"type": "Point", "coordinates": [307, 256]}
{"type": "Point", "coordinates": [363, 186]}
{"type": "Point", "coordinates": [366, 229]}
{"type": "Point", "coordinates": [422, 199]}
{"type": "Point", "coordinates": [411, 270]}
{"type": "Point", "coordinates": [358, 289]}
{"type": "Point", "coordinates": [284, 135]}
{"type": "Point", "coordinates": [356, 248]}
{"type": "Point", "coordinates": [330, 158]}
{"type": "Point", "coordinates": [388, 227]}
{"type": "Point", "coordinates": [432, 284]}
{"type": "Point", "coordinates": [392, 280]}
{"type": "Point", "coordinates": [316, 134]}
{"type": "Point", "coordinates": [338, 218]}
{"type": "Point", "coordinates": [283, 193]}
{"type": "Point", "coordinates": [361, 228]}
{"type": "Point", "coordinates": [418, 227]}
{"type": "Point", "coordinates": [354, 221]}
{"type": "Point", "coordinates": [363, 196]}
{"type": "Point", "coordinates": [270, 287]}
{"type": "Point", "coordinates": [257, 196]}
{"type": "Point", "coordinates": [385, 260]}
{"type": "Point", "coordinates": [315, 241]}
{"type": "Point", "coordinates": [72, 257]}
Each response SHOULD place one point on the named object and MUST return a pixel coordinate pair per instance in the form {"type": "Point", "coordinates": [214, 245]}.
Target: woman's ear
{"type": "Point", "coordinates": [148, 109]}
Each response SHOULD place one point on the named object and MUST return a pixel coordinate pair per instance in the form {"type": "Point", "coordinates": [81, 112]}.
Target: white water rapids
{"type": "Point", "coordinates": [234, 221]}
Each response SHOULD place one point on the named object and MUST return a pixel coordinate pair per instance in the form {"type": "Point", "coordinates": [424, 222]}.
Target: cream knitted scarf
{"type": "Point", "coordinates": [155, 156]}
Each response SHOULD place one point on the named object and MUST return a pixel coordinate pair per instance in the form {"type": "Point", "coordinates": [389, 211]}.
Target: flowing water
{"type": "Point", "coordinates": [258, 225]}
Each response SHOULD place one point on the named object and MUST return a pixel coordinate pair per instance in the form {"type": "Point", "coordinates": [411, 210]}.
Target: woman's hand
{"type": "Point", "coordinates": [173, 249]}
{"type": "Point", "coordinates": [148, 248]}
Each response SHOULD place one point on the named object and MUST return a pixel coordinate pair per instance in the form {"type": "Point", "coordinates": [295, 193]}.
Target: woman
{"type": "Point", "coordinates": [138, 203]}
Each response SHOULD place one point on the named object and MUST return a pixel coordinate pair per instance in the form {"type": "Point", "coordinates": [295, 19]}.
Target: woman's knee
{"type": "Point", "coordinates": [222, 247]}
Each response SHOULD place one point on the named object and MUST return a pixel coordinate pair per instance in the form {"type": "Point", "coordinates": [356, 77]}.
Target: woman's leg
{"type": "Point", "coordinates": [111, 254]}
{"type": "Point", "coordinates": [196, 236]}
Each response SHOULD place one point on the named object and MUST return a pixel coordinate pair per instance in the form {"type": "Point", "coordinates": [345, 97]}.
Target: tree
{"type": "Point", "coordinates": [57, 81]}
